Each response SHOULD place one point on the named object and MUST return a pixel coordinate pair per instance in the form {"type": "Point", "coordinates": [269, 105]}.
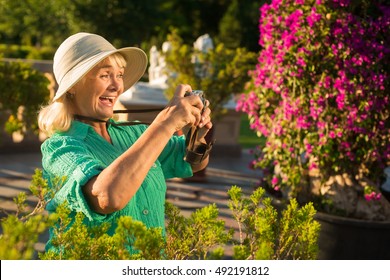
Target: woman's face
{"type": "Point", "coordinates": [96, 94]}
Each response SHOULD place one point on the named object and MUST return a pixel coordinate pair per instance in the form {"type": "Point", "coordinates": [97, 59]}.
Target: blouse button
{"type": "Point", "coordinates": [145, 211]}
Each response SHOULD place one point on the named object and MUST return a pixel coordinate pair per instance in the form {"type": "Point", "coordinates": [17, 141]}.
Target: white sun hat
{"type": "Point", "coordinates": [79, 53]}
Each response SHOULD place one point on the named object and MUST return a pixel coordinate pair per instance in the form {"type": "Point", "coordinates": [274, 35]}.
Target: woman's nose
{"type": "Point", "coordinates": [116, 83]}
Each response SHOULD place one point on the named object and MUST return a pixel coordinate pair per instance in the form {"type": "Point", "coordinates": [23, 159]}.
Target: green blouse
{"type": "Point", "coordinates": [80, 154]}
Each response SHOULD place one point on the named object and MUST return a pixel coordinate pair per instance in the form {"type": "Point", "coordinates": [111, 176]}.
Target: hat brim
{"type": "Point", "coordinates": [136, 63]}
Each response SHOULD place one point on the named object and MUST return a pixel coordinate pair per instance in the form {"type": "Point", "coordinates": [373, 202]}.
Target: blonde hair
{"type": "Point", "coordinates": [57, 116]}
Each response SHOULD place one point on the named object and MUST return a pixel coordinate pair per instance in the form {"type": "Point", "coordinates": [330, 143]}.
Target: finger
{"type": "Point", "coordinates": [205, 116]}
{"type": "Point", "coordinates": [194, 101]}
{"type": "Point", "coordinates": [206, 112]}
{"type": "Point", "coordinates": [182, 89]}
{"type": "Point", "coordinates": [204, 130]}
{"type": "Point", "coordinates": [207, 103]}
{"type": "Point", "coordinates": [197, 115]}
{"type": "Point", "coordinates": [204, 121]}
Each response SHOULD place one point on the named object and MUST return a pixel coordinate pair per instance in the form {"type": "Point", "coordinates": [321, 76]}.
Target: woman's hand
{"type": "Point", "coordinates": [205, 124]}
{"type": "Point", "coordinates": [185, 111]}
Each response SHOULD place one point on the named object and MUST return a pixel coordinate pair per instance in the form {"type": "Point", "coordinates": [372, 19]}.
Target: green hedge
{"type": "Point", "coordinates": [26, 52]}
{"type": "Point", "coordinates": [21, 85]}
{"type": "Point", "coordinates": [263, 231]}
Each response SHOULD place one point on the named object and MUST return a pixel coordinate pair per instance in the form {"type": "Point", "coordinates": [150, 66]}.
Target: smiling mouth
{"type": "Point", "coordinates": [107, 100]}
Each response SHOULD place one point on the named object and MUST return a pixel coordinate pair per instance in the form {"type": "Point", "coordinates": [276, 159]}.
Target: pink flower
{"type": "Point", "coordinates": [309, 149]}
{"type": "Point", "coordinates": [301, 62]}
{"type": "Point", "coordinates": [368, 197]}
{"type": "Point", "coordinates": [313, 166]}
{"type": "Point", "coordinates": [302, 122]}
{"type": "Point", "coordinates": [321, 125]}
{"type": "Point", "coordinates": [313, 17]}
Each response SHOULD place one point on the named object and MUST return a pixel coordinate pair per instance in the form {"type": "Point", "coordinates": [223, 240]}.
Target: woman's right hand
{"type": "Point", "coordinates": [181, 111]}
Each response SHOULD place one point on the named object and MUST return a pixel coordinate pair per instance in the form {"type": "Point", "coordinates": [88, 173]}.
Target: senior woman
{"type": "Point", "coordinates": [112, 170]}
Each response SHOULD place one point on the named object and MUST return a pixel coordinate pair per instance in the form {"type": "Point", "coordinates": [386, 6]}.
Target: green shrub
{"type": "Point", "coordinates": [20, 231]}
{"type": "Point", "coordinates": [195, 237]}
{"type": "Point", "coordinates": [264, 233]}
{"type": "Point", "coordinates": [27, 52]}
{"type": "Point", "coordinates": [21, 87]}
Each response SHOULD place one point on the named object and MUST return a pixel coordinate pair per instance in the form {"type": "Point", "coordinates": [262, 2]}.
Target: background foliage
{"type": "Point", "coordinates": [136, 23]}
{"type": "Point", "coordinates": [21, 87]}
{"type": "Point", "coordinates": [220, 73]}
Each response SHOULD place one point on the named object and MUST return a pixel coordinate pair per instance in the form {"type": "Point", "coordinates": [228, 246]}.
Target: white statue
{"type": "Point", "coordinates": [204, 43]}
{"type": "Point", "coordinates": [157, 75]}
{"type": "Point", "coordinates": [157, 68]}
{"type": "Point", "coordinates": [154, 57]}
{"type": "Point", "coordinates": [166, 47]}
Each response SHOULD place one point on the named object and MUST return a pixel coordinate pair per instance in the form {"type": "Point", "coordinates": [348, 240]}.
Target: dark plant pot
{"type": "Point", "coordinates": [352, 239]}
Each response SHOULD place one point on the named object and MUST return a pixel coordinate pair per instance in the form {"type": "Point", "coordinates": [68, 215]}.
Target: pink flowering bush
{"type": "Point", "coordinates": [320, 97]}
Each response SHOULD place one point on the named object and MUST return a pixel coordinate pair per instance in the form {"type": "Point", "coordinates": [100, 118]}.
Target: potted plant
{"type": "Point", "coordinates": [319, 95]}
{"type": "Point", "coordinates": [22, 91]}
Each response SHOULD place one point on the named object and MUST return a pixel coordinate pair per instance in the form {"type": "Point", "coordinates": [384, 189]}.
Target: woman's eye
{"type": "Point", "coordinates": [120, 76]}
{"type": "Point", "coordinates": [106, 76]}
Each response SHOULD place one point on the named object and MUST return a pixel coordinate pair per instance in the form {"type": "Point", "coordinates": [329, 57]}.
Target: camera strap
{"type": "Point", "coordinates": [196, 152]}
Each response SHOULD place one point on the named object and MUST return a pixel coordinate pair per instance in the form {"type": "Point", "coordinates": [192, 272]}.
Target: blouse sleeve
{"type": "Point", "coordinates": [172, 159]}
{"type": "Point", "coordinates": [68, 158]}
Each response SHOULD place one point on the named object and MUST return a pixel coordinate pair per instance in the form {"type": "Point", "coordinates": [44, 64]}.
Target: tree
{"type": "Point", "coordinates": [121, 22]}
{"type": "Point", "coordinates": [35, 22]}
{"type": "Point", "coordinates": [140, 23]}
{"type": "Point", "coordinates": [239, 25]}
